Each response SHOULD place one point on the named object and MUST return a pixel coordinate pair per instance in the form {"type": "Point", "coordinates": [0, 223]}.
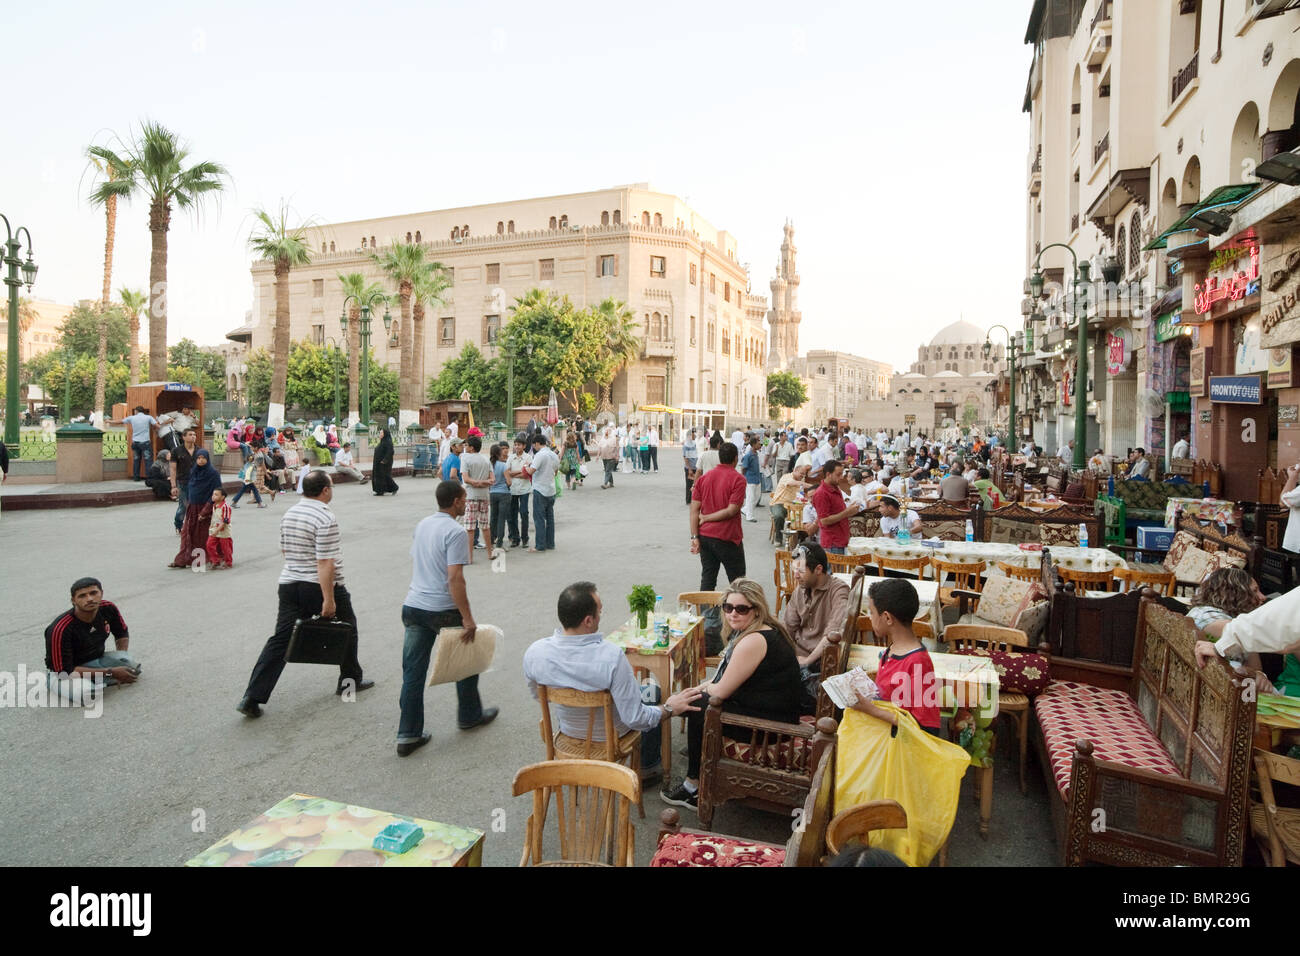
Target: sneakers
{"type": "Point", "coordinates": [679, 796]}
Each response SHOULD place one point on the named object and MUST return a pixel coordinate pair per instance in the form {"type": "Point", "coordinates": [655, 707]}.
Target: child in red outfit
{"type": "Point", "coordinates": [220, 545]}
{"type": "Point", "coordinates": [906, 674]}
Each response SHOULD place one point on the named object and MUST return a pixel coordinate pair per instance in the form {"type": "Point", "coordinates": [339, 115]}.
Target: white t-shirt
{"type": "Point", "coordinates": [1181, 448]}
{"type": "Point", "coordinates": [872, 487]}
{"type": "Point", "coordinates": [343, 458]}
{"type": "Point", "coordinates": [888, 526]}
{"type": "Point", "coordinates": [654, 438]}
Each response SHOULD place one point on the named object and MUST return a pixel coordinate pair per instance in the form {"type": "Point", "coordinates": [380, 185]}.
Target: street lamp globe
{"type": "Point", "coordinates": [29, 272]}
{"type": "Point", "coordinates": [988, 347]}
{"type": "Point", "coordinates": [1110, 270]}
{"type": "Point", "coordinates": [343, 320]}
{"type": "Point", "coordinates": [1036, 284]}
{"type": "Point", "coordinates": [388, 318]}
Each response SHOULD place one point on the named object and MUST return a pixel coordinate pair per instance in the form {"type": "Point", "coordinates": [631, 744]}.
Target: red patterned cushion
{"type": "Point", "coordinates": [1021, 672]}
{"type": "Point", "coordinates": [790, 754]}
{"type": "Point", "coordinates": [704, 849]}
{"type": "Point", "coordinates": [1068, 711]}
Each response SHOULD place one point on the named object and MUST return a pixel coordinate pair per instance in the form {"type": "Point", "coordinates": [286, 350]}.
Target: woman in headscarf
{"type": "Point", "coordinates": [381, 479]}
{"type": "Point", "coordinates": [272, 439]}
{"type": "Point", "coordinates": [204, 479]}
{"type": "Point", "coordinates": [332, 438]}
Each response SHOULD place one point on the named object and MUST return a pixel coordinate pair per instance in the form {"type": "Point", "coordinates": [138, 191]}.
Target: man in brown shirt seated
{"type": "Point", "coordinates": [954, 487]}
{"type": "Point", "coordinates": [817, 609]}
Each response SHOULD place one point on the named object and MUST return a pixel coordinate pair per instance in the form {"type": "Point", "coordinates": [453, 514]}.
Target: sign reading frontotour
{"type": "Point", "coordinates": [1236, 389]}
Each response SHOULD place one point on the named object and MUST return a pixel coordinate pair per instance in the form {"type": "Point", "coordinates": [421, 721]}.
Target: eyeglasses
{"type": "Point", "coordinates": [737, 608]}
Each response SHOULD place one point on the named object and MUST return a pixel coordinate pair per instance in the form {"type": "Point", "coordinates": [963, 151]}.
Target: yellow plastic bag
{"type": "Point", "coordinates": [920, 771]}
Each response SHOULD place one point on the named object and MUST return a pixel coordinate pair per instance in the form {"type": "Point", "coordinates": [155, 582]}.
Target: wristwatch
{"type": "Point", "coordinates": [668, 711]}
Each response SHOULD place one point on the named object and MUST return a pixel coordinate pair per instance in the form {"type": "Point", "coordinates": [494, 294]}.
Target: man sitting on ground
{"type": "Point", "coordinates": [74, 641]}
{"type": "Point", "coordinates": [578, 657]}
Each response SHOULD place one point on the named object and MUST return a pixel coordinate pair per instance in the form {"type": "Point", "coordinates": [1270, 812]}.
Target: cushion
{"type": "Point", "coordinates": [944, 530]}
{"type": "Point", "coordinates": [1194, 565]}
{"type": "Point", "coordinates": [1020, 672]}
{"type": "Point", "coordinates": [1050, 534]}
{"type": "Point", "coordinates": [1226, 559]}
{"type": "Point", "coordinates": [1003, 599]}
{"type": "Point", "coordinates": [1069, 711]}
{"type": "Point", "coordinates": [791, 754]}
{"type": "Point", "coordinates": [1182, 541]}
{"type": "Point", "coordinates": [1003, 531]}
{"type": "Point", "coordinates": [1033, 620]}
{"type": "Point", "coordinates": [705, 849]}
{"type": "Point", "coordinates": [867, 525]}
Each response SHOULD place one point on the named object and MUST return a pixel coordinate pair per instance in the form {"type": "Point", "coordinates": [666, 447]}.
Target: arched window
{"type": "Point", "coordinates": [618, 217]}
{"type": "Point", "coordinates": [1121, 249]}
{"type": "Point", "coordinates": [373, 244]}
{"type": "Point", "coordinates": [659, 219]}
{"type": "Point", "coordinates": [604, 218]}
{"type": "Point", "coordinates": [455, 232]}
{"type": "Point", "coordinates": [408, 237]}
{"type": "Point", "coordinates": [331, 247]}
{"type": "Point", "coordinates": [363, 242]}
{"type": "Point", "coordinates": [1134, 241]}
{"type": "Point", "coordinates": [417, 235]}
{"type": "Point", "coordinates": [564, 222]}
{"type": "Point", "coordinates": [464, 231]}
{"type": "Point", "coordinates": [501, 227]}
{"type": "Point", "coordinates": [510, 226]}
{"type": "Point", "coordinates": [322, 247]}
{"type": "Point", "coordinates": [657, 326]}
{"type": "Point", "coordinates": [553, 222]}
{"type": "Point", "coordinates": [645, 217]}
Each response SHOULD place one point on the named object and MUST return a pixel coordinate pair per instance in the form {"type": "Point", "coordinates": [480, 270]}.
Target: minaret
{"type": "Point", "coordinates": [784, 316]}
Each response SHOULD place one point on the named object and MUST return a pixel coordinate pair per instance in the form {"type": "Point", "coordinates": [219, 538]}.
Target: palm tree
{"type": "Point", "coordinates": [26, 316]}
{"type": "Point", "coordinates": [355, 284]}
{"type": "Point", "coordinates": [428, 291]}
{"type": "Point", "coordinates": [404, 264]}
{"type": "Point", "coordinates": [285, 246]}
{"type": "Point", "coordinates": [132, 302]}
{"type": "Point", "coordinates": [156, 162]}
{"type": "Point", "coordinates": [116, 182]}
{"type": "Point", "coordinates": [621, 348]}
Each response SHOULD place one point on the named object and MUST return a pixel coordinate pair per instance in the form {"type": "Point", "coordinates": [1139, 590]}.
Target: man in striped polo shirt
{"type": "Point", "coordinates": [310, 583]}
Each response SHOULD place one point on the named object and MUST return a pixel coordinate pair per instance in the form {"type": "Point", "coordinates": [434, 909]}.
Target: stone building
{"type": "Point", "coordinates": [953, 375]}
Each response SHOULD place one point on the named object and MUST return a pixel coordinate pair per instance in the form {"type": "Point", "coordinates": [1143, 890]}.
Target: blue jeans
{"type": "Point", "coordinates": [248, 486]}
{"type": "Point", "coordinates": [422, 629]}
{"type": "Point", "coordinates": [182, 502]}
{"type": "Point", "coordinates": [834, 550]}
{"type": "Point", "coordinates": [543, 521]}
{"type": "Point", "coordinates": [519, 519]}
{"type": "Point", "coordinates": [140, 451]}
{"type": "Point", "coordinates": [498, 509]}
{"type": "Point", "coordinates": [73, 687]}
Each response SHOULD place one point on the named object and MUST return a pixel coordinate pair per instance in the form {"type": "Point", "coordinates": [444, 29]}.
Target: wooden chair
{"type": "Point", "coordinates": [1277, 829]}
{"type": "Point", "coordinates": [783, 578]}
{"type": "Point", "coordinates": [970, 637]}
{"type": "Point", "coordinates": [856, 824]}
{"type": "Point", "coordinates": [1019, 573]}
{"type": "Point", "coordinates": [965, 576]}
{"type": "Point", "coordinates": [847, 563]}
{"type": "Point", "coordinates": [1132, 579]}
{"type": "Point", "coordinates": [915, 565]}
{"type": "Point", "coordinates": [593, 812]}
{"type": "Point", "coordinates": [700, 600]}
{"type": "Point", "coordinates": [612, 748]}
{"type": "Point", "coordinates": [1088, 580]}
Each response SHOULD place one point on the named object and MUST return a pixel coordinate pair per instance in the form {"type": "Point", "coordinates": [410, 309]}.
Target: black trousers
{"type": "Point", "coordinates": [714, 553]}
{"type": "Point", "coordinates": [299, 599]}
{"type": "Point", "coordinates": [690, 482]}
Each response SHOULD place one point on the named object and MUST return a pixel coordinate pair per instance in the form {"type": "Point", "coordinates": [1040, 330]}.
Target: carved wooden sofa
{"type": "Point", "coordinates": [1196, 551]}
{"type": "Point", "coordinates": [1145, 501]}
{"type": "Point", "coordinates": [1016, 524]}
{"type": "Point", "coordinates": [1156, 774]}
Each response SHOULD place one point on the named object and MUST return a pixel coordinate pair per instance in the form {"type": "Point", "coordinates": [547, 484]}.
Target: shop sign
{"type": "Point", "coordinates": [1232, 288]}
{"type": "Point", "coordinates": [1288, 414]}
{"type": "Point", "coordinates": [1118, 351]}
{"type": "Point", "coordinates": [1169, 327]}
{"type": "Point", "coordinates": [177, 387]}
{"type": "Point", "coordinates": [1236, 389]}
{"type": "Point", "coordinates": [1206, 417]}
{"type": "Point", "coordinates": [1200, 361]}
{"type": "Point", "coordinates": [1251, 355]}
{"type": "Point", "coordinates": [1280, 326]}
{"type": "Point", "coordinates": [1279, 368]}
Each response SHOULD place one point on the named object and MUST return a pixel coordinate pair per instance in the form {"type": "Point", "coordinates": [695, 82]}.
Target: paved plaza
{"type": "Point", "coordinates": [170, 767]}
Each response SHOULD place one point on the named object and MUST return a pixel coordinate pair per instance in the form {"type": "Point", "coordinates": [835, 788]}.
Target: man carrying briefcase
{"type": "Point", "coordinates": [311, 583]}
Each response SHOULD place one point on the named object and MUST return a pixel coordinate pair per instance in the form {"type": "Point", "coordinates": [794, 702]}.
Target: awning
{"type": "Point", "coordinates": [659, 408]}
{"type": "Point", "coordinates": [1225, 198]}
{"type": "Point", "coordinates": [1171, 301]}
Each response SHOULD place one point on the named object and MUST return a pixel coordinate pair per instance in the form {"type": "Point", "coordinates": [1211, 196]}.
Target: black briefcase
{"type": "Point", "coordinates": [320, 640]}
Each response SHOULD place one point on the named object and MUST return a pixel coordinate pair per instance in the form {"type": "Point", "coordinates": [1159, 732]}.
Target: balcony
{"type": "Point", "coordinates": [1099, 38]}
{"type": "Point", "coordinates": [658, 348]}
{"type": "Point", "coordinates": [1183, 78]}
{"type": "Point", "coordinates": [1074, 223]}
{"type": "Point", "coordinates": [1101, 17]}
{"type": "Point", "coordinates": [1101, 149]}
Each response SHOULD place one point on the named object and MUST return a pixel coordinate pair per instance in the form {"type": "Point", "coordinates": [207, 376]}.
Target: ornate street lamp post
{"type": "Point", "coordinates": [1012, 351]}
{"type": "Point", "coordinates": [334, 361]}
{"type": "Point", "coordinates": [1080, 287]}
{"type": "Point", "coordinates": [67, 384]}
{"type": "Point", "coordinates": [365, 348]}
{"type": "Point", "coordinates": [11, 260]}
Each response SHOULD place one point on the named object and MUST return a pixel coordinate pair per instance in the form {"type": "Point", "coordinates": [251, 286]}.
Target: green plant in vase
{"type": "Point", "coordinates": [641, 602]}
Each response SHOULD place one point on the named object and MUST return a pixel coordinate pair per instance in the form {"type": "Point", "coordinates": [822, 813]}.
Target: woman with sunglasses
{"type": "Point", "coordinates": [758, 677]}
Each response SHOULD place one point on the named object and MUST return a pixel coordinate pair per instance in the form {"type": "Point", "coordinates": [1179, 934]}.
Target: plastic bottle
{"type": "Point", "coordinates": [970, 530]}
{"type": "Point", "coordinates": [661, 622]}
{"type": "Point", "coordinates": [904, 529]}
{"type": "Point", "coordinates": [1083, 535]}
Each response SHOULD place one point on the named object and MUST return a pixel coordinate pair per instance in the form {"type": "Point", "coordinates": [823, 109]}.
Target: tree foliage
{"type": "Point", "coordinates": [310, 385]}
{"type": "Point", "coordinates": [484, 379]}
{"type": "Point", "coordinates": [187, 363]}
{"type": "Point", "coordinates": [80, 330]}
{"type": "Point", "coordinates": [784, 390]}
{"type": "Point", "coordinates": [555, 345]}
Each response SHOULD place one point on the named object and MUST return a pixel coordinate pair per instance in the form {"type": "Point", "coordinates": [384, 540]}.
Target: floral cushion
{"type": "Point", "coordinates": [867, 525]}
{"type": "Point", "coordinates": [1066, 534]}
{"type": "Point", "coordinates": [1194, 565]}
{"type": "Point", "coordinates": [1003, 599]}
{"type": "Point", "coordinates": [1022, 673]}
{"type": "Point", "coordinates": [1226, 559]}
{"type": "Point", "coordinates": [1002, 531]}
{"type": "Point", "coordinates": [1177, 548]}
{"type": "Point", "coordinates": [791, 753]}
{"type": "Point", "coordinates": [705, 849]}
{"type": "Point", "coordinates": [944, 530]}
{"type": "Point", "coordinates": [1068, 712]}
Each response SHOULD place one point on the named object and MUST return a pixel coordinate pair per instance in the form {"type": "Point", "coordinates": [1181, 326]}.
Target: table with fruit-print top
{"type": "Point", "coordinates": [302, 830]}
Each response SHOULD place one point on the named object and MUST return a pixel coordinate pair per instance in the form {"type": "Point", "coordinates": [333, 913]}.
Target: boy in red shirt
{"type": "Point", "coordinates": [220, 547]}
{"type": "Point", "coordinates": [906, 674]}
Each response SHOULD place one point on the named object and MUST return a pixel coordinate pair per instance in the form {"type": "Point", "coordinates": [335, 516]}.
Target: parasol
{"type": "Point", "coordinates": [464, 397]}
{"type": "Point", "coordinates": [552, 409]}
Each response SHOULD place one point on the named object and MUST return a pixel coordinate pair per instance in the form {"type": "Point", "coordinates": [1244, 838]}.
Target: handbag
{"type": "Point", "coordinates": [320, 640]}
{"type": "Point", "coordinates": [454, 660]}
{"type": "Point", "coordinates": [559, 486]}
{"type": "Point", "coordinates": [766, 484]}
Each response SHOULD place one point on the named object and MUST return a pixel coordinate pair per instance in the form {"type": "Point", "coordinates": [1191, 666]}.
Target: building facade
{"type": "Point", "coordinates": [703, 342]}
{"type": "Point", "coordinates": [840, 384]}
{"type": "Point", "coordinates": [953, 375]}
{"type": "Point", "coordinates": [1143, 115]}
{"type": "Point", "coordinates": [39, 323]}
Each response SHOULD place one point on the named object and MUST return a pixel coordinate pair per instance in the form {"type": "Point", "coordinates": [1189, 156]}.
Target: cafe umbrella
{"type": "Point", "coordinates": [552, 409]}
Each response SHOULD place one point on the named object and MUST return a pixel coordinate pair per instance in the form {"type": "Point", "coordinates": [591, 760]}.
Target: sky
{"type": "Point", "coordinates": [890, 134]}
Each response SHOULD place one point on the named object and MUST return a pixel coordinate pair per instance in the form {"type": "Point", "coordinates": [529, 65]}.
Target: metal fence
{"type": "Point", "coordinates": [37, 444]}
{"type": "Point", "coordinates": [116, 445]}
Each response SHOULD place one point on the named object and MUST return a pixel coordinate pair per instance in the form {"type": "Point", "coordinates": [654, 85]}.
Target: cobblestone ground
{"type": "Point", "coordinates": [170, 767]}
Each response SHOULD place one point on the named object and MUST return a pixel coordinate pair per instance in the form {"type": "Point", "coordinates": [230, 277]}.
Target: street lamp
{"type": "Point", "coordinates": [365, 348]}
{"type": "Point", "coordinates": [334, 361]}
{"type": "Point", "coordinates": [1080, 286]}
{"type": "Point", "coordinates": [11, 363]}
{"type": "Point", "coordinates": [67, 383]}
{"type": "Point", "coordinates": [508, 353]}
{"type": "Point", "coordinates": [1012, 351]}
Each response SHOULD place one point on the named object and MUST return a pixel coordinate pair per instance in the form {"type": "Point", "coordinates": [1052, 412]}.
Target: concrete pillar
{"type": "Point", "coordinates": [79, 454]}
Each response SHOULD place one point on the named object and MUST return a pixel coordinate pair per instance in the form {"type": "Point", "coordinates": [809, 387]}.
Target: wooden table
{"type": "Point", "coordinates": [1079, 559]}
{"type": "Point", "coordinates": [302, 830]}
{"type": "Point", "coordinates": [678, 665]}
{"type": "Point", "coordinates": [927, 592]}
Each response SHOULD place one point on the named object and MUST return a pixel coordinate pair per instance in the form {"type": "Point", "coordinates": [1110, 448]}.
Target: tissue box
{"type": "Point", "coordinates": [399, 837]}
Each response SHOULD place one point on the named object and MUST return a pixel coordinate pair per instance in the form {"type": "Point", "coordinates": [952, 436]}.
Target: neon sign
{"type": "Point", "coordinates": [1232, 289]}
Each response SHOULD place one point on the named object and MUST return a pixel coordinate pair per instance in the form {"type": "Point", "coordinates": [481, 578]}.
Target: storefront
{"type": "Point", "coordinates": [1169, 344]}
{"type": "Point", "coordinates": [1280, 337]}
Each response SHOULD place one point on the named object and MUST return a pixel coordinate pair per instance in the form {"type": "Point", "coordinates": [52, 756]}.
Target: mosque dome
{"type": "Point", "coordinates": [959, 333]}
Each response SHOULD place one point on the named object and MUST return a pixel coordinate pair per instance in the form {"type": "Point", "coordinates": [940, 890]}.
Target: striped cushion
{"type": "Point", "coordinates": [1069, 711]}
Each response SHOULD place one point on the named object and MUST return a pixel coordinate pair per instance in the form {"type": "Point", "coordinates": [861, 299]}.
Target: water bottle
{"type": "Point", "coordinates": [904, 529]}
{"type": "Point", "coordinates": [661, 622]}
{"type": "Point", "coordinates": [970, 530]}
{"type": "Point", "coordinates": [1083, 535]}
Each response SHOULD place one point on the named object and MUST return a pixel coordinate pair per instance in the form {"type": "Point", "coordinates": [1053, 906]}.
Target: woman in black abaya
{"type": "Point", "coordinates": [382, 466]}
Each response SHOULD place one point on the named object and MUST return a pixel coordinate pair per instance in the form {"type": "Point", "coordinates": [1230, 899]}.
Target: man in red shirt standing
{"type": "Point", "coordinates": [716, 533]}
{"type": "Point", "coordinates": [833, 513]}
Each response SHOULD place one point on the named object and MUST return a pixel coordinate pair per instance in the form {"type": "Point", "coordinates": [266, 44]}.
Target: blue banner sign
{"type": "Point", "coordinates": [177, 387]}
{"type": "Point", "coordinates": [1237, 389]}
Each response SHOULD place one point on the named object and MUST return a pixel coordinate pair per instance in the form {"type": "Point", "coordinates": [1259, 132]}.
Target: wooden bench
{"type": "Point", "coordinates": [1154, 775]}
{"type": "Point", "coordinates": [1191, 533]}
{"type": "Point", "coordinates": [1016, 524]}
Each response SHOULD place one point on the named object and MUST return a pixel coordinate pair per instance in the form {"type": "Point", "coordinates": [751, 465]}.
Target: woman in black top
{"type": "Point", "coordinates": [758, 677]}
{"type": "Point", "coordinates": [381, 480]}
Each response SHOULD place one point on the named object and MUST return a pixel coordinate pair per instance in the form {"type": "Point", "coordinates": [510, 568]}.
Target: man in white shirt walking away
{"type": "Point", "coordinates": [544, 468]}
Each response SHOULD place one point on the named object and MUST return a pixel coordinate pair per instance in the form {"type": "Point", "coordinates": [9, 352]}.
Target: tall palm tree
{"type": "Point", "coordinates": [26, 317]}
{"type": "Point", "coordinates": [404, 264]}
{"type": "Point", "coordinates": [286, 247]}
{"type": "Point", "coordinates": [355, 284]}
{"type": "Point", "coordinates": [132, 302]}
{"type": "Point", "coordinates": [621, 348]}
{"type": "Point", "coordinates": [115, 182]}
{"type": "Point", "coordinates": [156, 161]}
{"type": "Point", "coordinates": [428, 291]}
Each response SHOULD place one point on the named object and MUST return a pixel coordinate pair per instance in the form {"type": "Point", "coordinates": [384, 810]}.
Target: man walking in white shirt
{"type": "Point", "coordinates": [654, 449]}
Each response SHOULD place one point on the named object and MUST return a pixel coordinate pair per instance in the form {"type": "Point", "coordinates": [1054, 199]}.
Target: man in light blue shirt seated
{"type": "Point", "coordinates": [577, 656]}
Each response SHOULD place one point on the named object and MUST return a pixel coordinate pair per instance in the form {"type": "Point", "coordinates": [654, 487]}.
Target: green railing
{"type": "Point", "coordinates": [116, 445]}
{"type": "Point", "coordinates": [36, 444]}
